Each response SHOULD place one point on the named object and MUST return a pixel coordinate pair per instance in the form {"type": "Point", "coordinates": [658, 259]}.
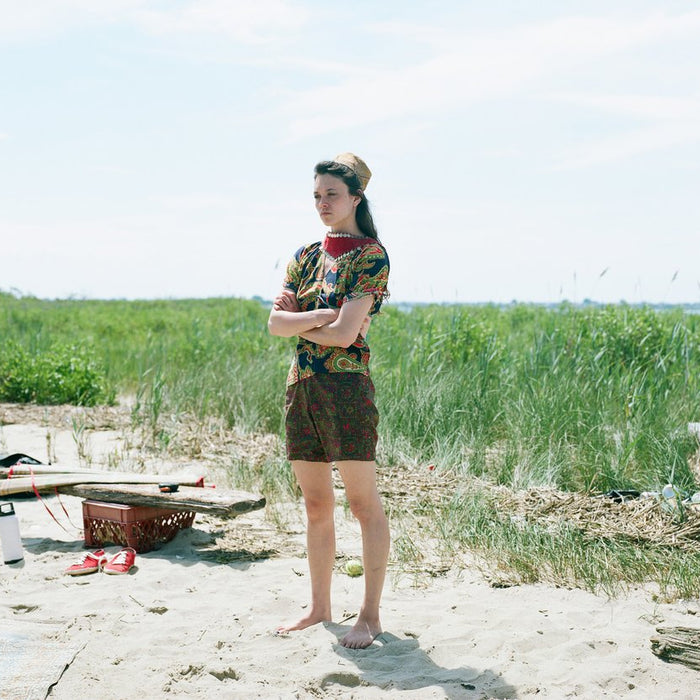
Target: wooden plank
{"type": "Point", "coordinates": [43, 469]}
{"type": "Point", "coordinates": [26, 484]}
{"type": "Point", "coordinates": [678, 644]}
{"type": "Point", "coordinates": [49, 469]}
{"type": "Point", "coordinates": [224, 503]}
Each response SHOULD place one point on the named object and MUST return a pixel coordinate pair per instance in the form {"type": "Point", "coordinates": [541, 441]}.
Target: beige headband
{"type": "Point", "coordinates": [357, 165]}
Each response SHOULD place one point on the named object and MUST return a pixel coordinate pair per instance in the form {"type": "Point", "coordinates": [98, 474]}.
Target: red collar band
{"type": "Point", "coordinates": [336, 247]}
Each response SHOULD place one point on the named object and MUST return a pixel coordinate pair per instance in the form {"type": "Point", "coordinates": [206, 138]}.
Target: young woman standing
{"type": "Point", "coordinates": [331, 290]}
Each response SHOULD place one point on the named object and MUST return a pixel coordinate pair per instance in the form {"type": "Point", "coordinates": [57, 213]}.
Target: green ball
{"type": "Point", "coordinates": [354, 568]}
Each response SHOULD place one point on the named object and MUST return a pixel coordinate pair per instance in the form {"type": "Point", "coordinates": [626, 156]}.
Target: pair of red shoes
{"type": "Point", "coordinates": [91, 562]}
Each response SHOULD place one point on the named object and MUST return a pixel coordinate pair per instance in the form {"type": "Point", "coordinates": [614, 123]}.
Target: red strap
{"type": "Point", "coordinates": [36, 493]}
{"type": "Point", "coordinates": [58, 496]}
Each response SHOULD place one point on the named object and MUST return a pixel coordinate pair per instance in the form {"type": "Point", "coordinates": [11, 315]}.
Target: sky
{"type": "Point", "coordinates": [532, 152]}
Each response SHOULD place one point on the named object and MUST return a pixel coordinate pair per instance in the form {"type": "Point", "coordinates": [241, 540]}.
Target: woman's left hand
{"type": "Point", "coordinates": [365, 326]}
{"type": "Point", "coordinates": [286, 300]}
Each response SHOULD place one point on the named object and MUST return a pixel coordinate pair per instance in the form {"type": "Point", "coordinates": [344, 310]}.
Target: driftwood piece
{"type": "Point", "coordinates": [224, 503]}
{"type": "Point", "coordinates": [679, 645]}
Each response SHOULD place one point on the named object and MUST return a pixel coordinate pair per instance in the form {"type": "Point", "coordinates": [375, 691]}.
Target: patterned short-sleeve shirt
{"type": "Point", "coordinates": [363, 272]}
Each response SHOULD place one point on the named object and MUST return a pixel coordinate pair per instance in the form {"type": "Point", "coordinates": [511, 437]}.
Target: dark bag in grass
{"type": "Point", "coordinates": [17, 458]}
{"type": "Point", "coordinates": [9, 461]}
{"type": "Point", "coordinates": [623, 495]}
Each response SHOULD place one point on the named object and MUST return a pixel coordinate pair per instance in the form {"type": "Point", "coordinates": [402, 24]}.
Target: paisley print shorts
{"type": "Point", "coordinates": [331, 417]}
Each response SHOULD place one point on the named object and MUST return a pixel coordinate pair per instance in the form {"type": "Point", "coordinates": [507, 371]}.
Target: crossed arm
{"type": "Point", "coordinates": [338, 328]}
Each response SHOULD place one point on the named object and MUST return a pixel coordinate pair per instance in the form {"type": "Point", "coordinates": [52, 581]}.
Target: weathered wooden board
{"type": "Point", "coordinates": [49, 482]}
{"type": "Point", "coordinates": [224, 503]}
{"type": "Point", "coordinates": [678, 644]}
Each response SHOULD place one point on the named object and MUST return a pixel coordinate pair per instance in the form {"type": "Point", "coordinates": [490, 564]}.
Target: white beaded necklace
{"type": "Point", "coordinates": [338, 251]}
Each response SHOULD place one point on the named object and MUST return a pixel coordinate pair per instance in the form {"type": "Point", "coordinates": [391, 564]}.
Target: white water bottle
{"type": "Point", "coordinates": [9, 534]}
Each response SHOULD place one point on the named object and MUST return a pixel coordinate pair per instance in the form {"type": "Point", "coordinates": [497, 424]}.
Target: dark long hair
{"type": "Point", "coordinates": [363, 215]}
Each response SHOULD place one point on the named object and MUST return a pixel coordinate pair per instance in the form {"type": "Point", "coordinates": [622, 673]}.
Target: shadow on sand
{"type": "Point", "coordinates": [189, 547]}
{"type": "Point", "coordinates": [392, 662]}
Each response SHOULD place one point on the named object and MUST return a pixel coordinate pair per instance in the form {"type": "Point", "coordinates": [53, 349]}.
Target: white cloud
{"type": "Point", "coordinates": [640, 106]}
{"type": "Point", "coordinates": [247, 21]}
{"type": "Point", "coordinates": [578, 33]}
{"type": "Point", "coordinates": [350, 69]}
{"type": "Point", "coordinates": [471, 67]}
{"type": "Point", "coordinates": [24, 20]}
{"type": "Point", "coordinates": [631, 143]}
{"type": "Point", "coordinates": [674, 121]}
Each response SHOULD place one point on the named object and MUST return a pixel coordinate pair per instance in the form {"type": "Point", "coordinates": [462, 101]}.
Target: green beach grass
{"type": "Point", "coordinates": [580, 399]}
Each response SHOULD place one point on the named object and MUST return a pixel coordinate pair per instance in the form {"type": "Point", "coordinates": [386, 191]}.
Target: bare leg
{"type": "Point", "coordinates": [361, 489]}
{"type": "Point", "coordinates": [317, 486]}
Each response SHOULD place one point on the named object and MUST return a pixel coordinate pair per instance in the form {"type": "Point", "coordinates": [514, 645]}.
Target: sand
{"type": "Point", "coordinates": [196, 618]}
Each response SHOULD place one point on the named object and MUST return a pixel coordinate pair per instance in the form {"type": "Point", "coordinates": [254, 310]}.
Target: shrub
{"type": "Point", "coordinates": [63, 374]}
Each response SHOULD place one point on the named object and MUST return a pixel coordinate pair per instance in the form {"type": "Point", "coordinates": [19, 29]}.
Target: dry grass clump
{"type": "Point", "coordinates": [62, 416]}
{"type": "Point", "coordinates": [641, 520]}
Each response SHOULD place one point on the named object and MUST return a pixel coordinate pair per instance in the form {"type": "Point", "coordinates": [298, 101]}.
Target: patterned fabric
{"type": "Point", "coordinates": [331, 417]}
{"type": "Point", "coordinates": [362, 272]}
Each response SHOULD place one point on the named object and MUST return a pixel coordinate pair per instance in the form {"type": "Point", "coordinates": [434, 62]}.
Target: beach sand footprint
{"type": "Point", "coordinates": [346, 680]}
{"type": "Point", "coordinates": [392, 662]}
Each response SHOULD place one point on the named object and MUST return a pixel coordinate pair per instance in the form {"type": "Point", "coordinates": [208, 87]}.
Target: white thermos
{"type": "Point", "coordinates": [9, 534]}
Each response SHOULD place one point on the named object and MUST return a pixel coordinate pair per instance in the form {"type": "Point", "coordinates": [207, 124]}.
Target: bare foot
{"type": "Point", "coordinates": [311, 619]}
{"type": "Point", "coordinates": [361, 635]}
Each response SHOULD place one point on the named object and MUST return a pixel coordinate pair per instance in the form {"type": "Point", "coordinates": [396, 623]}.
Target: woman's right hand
{"type": "Point", "coordinates": [286, 300]}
